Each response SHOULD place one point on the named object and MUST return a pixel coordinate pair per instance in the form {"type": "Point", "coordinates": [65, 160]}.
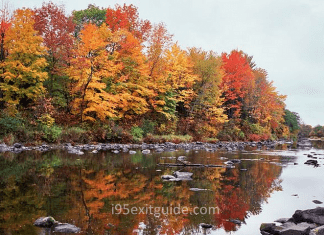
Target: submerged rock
{"type": "Point", "coordinates": [312, 162]}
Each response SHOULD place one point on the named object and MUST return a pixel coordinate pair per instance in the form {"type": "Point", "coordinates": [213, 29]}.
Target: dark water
{"type": "Point", "coordinates": [107, 193]}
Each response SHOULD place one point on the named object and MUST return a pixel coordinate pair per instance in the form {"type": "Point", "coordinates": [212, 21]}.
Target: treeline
{"type": "Point", "coordinates": [105, 74]}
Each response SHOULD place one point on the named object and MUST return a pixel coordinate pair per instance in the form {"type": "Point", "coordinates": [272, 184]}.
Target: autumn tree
{"type": "Point", "coordinates": [176, 83]}
{"type": "Point", "coordinates": [23, 69]}
{"type": "Point", "coordinates": [206, 108]}
{"type": "Point", "coordinates": [57, 30]}
{"type": "Point", "coordinates": [126, 17]}
{"type": "Point", "coordinates": [238, 76]}
{"type": "Point", "coordinates": [90, 65]}
{"type": "Point", "coordinates": [131, 82]}
{"type": "Point", "coordinates": [158, 42]}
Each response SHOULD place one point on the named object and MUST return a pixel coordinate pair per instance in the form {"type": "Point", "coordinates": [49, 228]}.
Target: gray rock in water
{"type": "Point", "coordinates": [159, 150]}
{"type": "Point", "coordinates": [182, 158]}
{"type": "Point", "coordinates": [312, 162]}
{"type": "Point", "coordinates": [3, 148]}
{"type": "Point", "coordinates": [183, 175]}
{"type": "Point", "coordinates": [66, 228]}
{"type": "Point", "coordinates": [317, 202]}
{"type": "Point", "coordinates": [198, 189]}
{"type": "Point", "coordinates": [17, 145]}
{"type": "Point", "coordinates": [146, 151]}
{"type": "Point", "coordinates": [317, 231]}
{"type": "Point", "coordinates": [290, 228]}
{"type": "Point", "coordinates": [95, 151]}
{"type": "Point", "coordinates": [132, 152]}
{"type": "Point", "coordinates": [311, 216]}
{"type": "Point", "coordinates": [45, 222]}
{"type": "Point", "coordinates": [206, 226]}
{"type": "Point", "coordinates": [168, 177]}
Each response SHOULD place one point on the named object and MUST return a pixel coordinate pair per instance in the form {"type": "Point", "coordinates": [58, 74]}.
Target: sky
{"type": "Point", "coordinates": [286, 38]}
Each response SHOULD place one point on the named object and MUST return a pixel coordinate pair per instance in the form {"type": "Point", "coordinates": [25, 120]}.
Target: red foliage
{"type": "Point", "coordinates": [238, 75]}
{"type": "Point", "coordinates": [126, 17]}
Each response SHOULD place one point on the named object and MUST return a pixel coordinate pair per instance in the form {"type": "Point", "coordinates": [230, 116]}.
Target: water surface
{"type": "Point", "coordinates": [89, 191]}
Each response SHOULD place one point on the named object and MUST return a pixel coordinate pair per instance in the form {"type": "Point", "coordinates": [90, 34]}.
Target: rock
{"type": "Point", "coordinates": [183, 175]}
{"type": "Point", "coordinates": [312, 162]}
{"type": "Point", "coordinates": [236, 221]}
{"type": "Point", "coordinates": [168, 177]}
{"type": "Point", "coordinates": [206, 226]}
{"type": "Point", "coordinates": [317, 202]}
{"type": "Point", "coordinates": [115, 151]}
{"type": "Point", "coordinates": [182, 158]}
{"type": "Point", "coordinates": [132, 152]}
{"type": "Point", "coordinates": [3, 148]}
{"type": "Point", "coordinates": [267, 227]}
{"type": "Point", "coordinates": [317, 231]}
{"type": "Point", "coordinates": [66, 228]}
{"type": "Point", "coordinates": [198, 189]}
{"type": "Point", "coordinates": [17, 145]}
{"type": "Point", "coordinates": [311, 156]}
{"type": "Point", "coordinates": [146, 151]}
{"type": "Point", "coordinates": [311, 216]}
{"type": "Point", "coordinates": [159, 150]}
{"type": "Point", "coordinates": [45, 222]}
{"type": "Point", "coordinates": [229, 163]}
{"type": "Point", "coordinates": [290, 228]}
{"type": "Point", "coordinates": [95, 151]}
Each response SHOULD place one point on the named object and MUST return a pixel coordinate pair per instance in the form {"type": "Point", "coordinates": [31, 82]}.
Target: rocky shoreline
{"type": "Point", "coordinates": [147, 148]}
{"type": "Point", "coordinates": [303, 222]}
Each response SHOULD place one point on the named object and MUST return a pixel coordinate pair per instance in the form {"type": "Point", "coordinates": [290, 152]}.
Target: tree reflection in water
{"type": "Point", "coordinates": [88, 190]}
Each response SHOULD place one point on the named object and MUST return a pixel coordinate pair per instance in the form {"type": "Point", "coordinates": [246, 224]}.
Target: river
{"type": "Point", "coordinates": [108, 193]}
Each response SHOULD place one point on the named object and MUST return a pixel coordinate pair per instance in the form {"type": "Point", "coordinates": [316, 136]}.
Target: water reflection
{"type": "Point", "coordinates": [108, 193]}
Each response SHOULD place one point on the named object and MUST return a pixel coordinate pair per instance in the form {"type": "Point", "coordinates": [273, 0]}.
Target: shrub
{"type": "Point", "coordinates": [75, 134]}
{"type": "Point", "coordinates": [137, 133]}
{"type": "Point", "coordinates": [52, 133]}
{"type": "Point", "coordinates": [10, 124]}
{"type": "Point", "coordinates": [148, 127]}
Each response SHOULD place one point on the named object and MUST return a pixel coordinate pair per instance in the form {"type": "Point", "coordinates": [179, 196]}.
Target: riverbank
{"type": "Point", "coordinates": [156, 147]}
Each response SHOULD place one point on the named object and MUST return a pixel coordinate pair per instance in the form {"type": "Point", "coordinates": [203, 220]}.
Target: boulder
{"type": "Point", "coordinates": [132, 152]}
{"type": "Point", "coordinates": [312, 216]}
{"type": "Point", "coordinates": [45, 222]}
{"type": "Point", "coordinates": [317, 231]}
{"type": "Point", "coordinates": [290, 228]}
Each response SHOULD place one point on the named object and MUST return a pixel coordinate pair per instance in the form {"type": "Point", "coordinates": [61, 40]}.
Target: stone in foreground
{"type": "Point", "coordinates": [45, 222]}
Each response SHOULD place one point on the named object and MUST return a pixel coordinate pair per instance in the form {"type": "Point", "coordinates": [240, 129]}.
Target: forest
{"type": "Point", "coordinates": [105, 74]}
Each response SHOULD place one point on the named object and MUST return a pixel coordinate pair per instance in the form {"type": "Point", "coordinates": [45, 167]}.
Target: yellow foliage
{"type": "Point", "coordinates": [23, 68]}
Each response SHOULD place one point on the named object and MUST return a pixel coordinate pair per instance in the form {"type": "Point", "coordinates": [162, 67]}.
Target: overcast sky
{"type": "Point", "coordinates": [285, 37]}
